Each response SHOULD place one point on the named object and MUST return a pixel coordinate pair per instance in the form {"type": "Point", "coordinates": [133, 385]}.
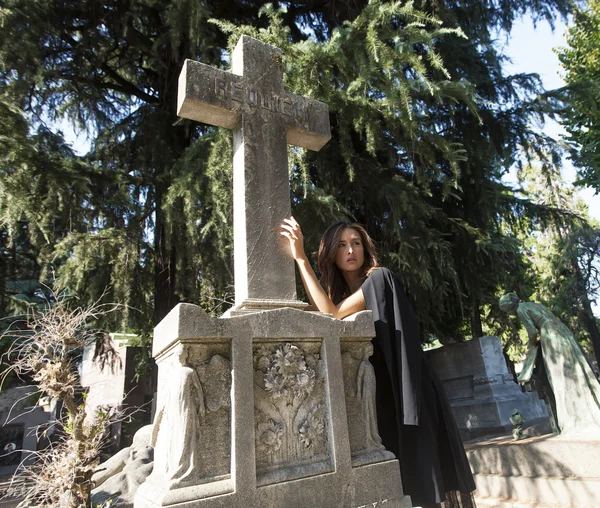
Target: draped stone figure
{"type": "Point", "coordinates": [575, 387]}
{"type": "Point", "coordinates": [365, 383]}
{"type": "Point", "coordinates": [176, 437]}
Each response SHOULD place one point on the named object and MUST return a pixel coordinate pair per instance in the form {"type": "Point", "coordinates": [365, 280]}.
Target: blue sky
{"type": "Point", "coordinates": [530, 50]}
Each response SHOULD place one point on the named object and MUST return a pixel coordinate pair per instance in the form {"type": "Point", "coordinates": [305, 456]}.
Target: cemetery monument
{"type": "Point", "coordinates": [268, 405]}
{"type": "Point", "coordinates": [482, 392]}
{"type": "Point", "coordinates": [560, 470]}
{"type": "Point", "coordinates": [575, 389]}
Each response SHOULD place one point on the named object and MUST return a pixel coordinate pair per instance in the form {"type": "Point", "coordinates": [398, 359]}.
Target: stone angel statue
{"type": "Point", "coordinates": [574, 386]}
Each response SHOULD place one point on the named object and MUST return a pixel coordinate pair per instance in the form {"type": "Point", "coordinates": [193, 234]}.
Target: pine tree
{"type": "Point", "coordinates": [486, 257]}
{"type": "Point", "coordinates": [564, 254]}
{"type": "Point", "coordinates": [41, 186]}
{"type": "Point", "coordinates": [581, 110]}
{"type": "Point", "coordinates": [424, 125]}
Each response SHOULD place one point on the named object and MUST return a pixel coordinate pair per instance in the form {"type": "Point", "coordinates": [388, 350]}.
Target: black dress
{"type": "Point", "coordinates": [414, 416]}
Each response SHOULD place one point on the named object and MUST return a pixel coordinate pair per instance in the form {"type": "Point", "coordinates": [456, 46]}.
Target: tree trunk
{"type": "Point", "coordinates": [476, 327]}
{"type": "Point", "coordinates": [164, 265]}
{"type": "Point", "coordinates": [587, 314]}
{"type": "Point", "coordinates": [3, 273]}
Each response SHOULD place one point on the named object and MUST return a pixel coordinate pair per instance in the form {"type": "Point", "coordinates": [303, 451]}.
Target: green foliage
{"type": "Point", "coordinates": [424, 125]}
{"type": "Point", "coordinates": [563, 253]}
{"type": "Point", "coordinates": [581, 113]}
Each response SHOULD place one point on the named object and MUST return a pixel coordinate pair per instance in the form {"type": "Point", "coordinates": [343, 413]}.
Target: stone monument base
{"type": "Point", "coordinates": [371, 485]}
{"type": "Point", "coordinates": [251, 305]}
{"type": "Point", "coordinates": [267, 409]}
{"type": "Point", "coordinates": [557, 471]}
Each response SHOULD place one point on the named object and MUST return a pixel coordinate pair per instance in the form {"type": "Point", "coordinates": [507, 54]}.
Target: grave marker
{"type": "Point", "coordinates": [265, 118]}
{"type": "Point", "coordinates": [252, 408]}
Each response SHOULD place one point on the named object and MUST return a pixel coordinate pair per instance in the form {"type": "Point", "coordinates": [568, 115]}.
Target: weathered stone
{"type": "Point", "coordinates": [365, 442]}
{"type": "Point", "coordinates": [251, 407]}
{"type": "Point", "coordinates": [265, 118]}
{"type": "Point", "coordinates": [112, 466]}
{"type": "Point", "coordinates": [116, 387]}
{"type": "Point", "coordinates": [481, 390]}
{"type": "Point", "coordinates": [193, 417]}
{"type": "Point", "coordinates": [119, 477]}
{"type": "Point", "coordinates": [290, 408]}
{"type": "Point", "coordinates": [283, 439]}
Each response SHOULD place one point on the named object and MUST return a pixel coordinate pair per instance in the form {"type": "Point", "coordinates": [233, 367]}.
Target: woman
{"type": "Point", "coordinates": [414, 417]}
{"type": "Point", "coordinates": [574, 385]}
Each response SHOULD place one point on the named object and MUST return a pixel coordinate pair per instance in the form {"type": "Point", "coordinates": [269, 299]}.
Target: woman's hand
{"type": "Point", "coordinates": [291, 230]}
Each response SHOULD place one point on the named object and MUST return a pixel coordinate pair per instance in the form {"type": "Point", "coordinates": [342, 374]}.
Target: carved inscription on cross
{"type": "Point", "coordinates": [264, 118]}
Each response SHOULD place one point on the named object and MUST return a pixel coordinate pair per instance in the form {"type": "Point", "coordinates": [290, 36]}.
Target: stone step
{"type": "Point", "coordinates": [493, 502]}
{"type": "Point", "coordinates": [540, 491]}
{"type": "Point", "coordinates": [543, 456]}
{"type": "Point", "coordinates": [547, 471]}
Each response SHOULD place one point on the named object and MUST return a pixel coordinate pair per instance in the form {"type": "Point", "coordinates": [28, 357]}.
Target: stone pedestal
{"type": "Point", "coordinates": [481, 390]}
{"type": "Point", "coordinates": [273, 409]}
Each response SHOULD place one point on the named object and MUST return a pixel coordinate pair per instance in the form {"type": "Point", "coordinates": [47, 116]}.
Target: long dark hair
{"type": "Point", "coordinates": [331, 276]}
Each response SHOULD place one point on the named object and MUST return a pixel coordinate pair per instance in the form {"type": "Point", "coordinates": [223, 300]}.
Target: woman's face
{"type": "Point", "coordinates": [350, 254]}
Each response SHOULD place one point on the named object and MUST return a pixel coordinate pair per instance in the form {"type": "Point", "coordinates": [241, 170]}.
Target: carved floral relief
{"type": "Point", "coordinates": [291, 420]}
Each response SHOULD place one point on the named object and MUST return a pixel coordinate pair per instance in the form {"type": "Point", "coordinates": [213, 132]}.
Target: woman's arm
{"type": "Point", "coordinates": [316, 294]}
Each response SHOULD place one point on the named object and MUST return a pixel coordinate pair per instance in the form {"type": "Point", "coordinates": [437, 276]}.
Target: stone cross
{"type": "Point", "coordinates": [265, 118]}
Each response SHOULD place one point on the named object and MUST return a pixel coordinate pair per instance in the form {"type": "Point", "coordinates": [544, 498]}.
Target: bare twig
{"type": "Point", "coordinates": [45, 349]}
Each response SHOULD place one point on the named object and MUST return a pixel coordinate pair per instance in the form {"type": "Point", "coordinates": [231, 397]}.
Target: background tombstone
{"type": "Point", "coordinates": [116, 387]}
{"type": "Point", "coordinates": [481, 390]}
{"type": "Point", "coordinates": [21, 413]}
{"type": "Point", "coordinates": [282, 437]}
